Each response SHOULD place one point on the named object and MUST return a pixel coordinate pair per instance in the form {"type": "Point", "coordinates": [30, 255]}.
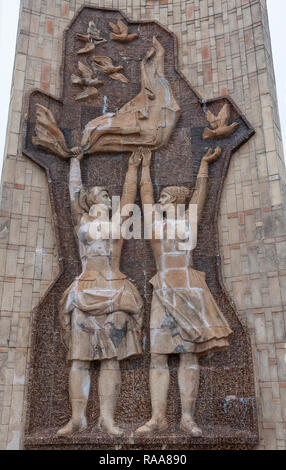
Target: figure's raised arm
{"type": "Point", "coordinates": [200, 193]}
{"type": "Point", "coordinates": [146, 187]}
{"type": "Point", "coordinates": [130, 184]}
{"type": "Point", "coordinates": [128, 194]}
{"type": "Point", "coordinates": [75, 186]}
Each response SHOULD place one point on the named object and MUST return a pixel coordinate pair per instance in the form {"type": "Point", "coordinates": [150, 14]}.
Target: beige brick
{"type": "Point", "coordinates": [5, 324]}
{"type": "Point", "coordinates": [9, 170]}
{"type": "Point", "coordinates": [26, 298]}
{"type": "Point", "coordinates": [23, 332]}
{"type": "Point", "coordinates": [7, 296]}
{"type": "Point", "coordinates": [3, 365]}
{"type": "Point", "coordinates": [11, 263]}
{"type": "Point", "coordinates": [29, 265]}
{"type": "Point", "coordinates": [34, 209]}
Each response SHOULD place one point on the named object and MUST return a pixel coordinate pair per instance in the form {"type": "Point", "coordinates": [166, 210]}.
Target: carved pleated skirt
{"type": "Point", "coordinates": [186, 319]}
{"type": "Point", "coordinates": [105, 321]}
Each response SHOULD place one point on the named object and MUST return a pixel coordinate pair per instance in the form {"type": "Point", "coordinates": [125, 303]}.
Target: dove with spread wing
{"type": "Point", "coordinates": [86, 80]}
{"type": "Point", "coordinates": [105, 64]}
{"type": "Point", "coordinates": [220, 127]}
{"type": "Point", "coordinates": [92, 38]}
{"type": "Point", "coordinates": [120, 32]}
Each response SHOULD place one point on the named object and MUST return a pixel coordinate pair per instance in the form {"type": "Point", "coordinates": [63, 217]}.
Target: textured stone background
{"type": "Point", "coordinates": [224, 48]}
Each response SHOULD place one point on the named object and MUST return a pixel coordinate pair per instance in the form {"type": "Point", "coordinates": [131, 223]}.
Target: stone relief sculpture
{"type": "Point", "coordinates": [121, 33]}
{"type": "Point", "coordinates": [105, 64]}
{"type": "Point", "coordinates": [100, 309]}
{"type": "Point", "coordinates": [87, 80]}
{"type": "Point", "coordinates": [146, 121]}
{"type": "Point", "coordinates": [92, 38]}
{"type": "Point", "coordinates": [185, 318]}
{"type": "Point", "coordinates": [220, 127]}
{"type": "Point", "coordinates": [48, 136]}
{"type": "Point", "coordinates": [101, 312]}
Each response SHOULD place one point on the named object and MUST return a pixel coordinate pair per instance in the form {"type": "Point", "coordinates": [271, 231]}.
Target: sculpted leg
{"type": "Point", "coordinates": [159, 385]}
{"type": "Point", "coordinates": [189, 379]}
{"type": "Point", "coordinates": [79, 386]}
{"type": "Point", "coordinates": [108, 389]}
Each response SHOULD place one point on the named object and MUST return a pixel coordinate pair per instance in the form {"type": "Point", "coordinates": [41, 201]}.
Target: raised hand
{"type": "Point", "coordinates": [147, 157]}
{"type": "Point", "coordinates": [77, 153]}
{"type": "Point", "coordinates": [211, 156]}
{"type": "Point", "coordinates": [136, 158]}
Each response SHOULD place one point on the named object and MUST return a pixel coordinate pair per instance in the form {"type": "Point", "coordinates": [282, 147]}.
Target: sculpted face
{"type": "Point", "coordinates": [100, 197]}
{"type": "Point", "coordinates": [166, 200]}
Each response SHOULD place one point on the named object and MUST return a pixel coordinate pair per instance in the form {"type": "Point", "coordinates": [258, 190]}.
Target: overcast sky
{"type": "Point", "coordinates": [9, 12]}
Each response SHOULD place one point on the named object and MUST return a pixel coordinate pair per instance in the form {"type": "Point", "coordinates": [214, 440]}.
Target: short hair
{"type": "Point", "coordinates": [181, 194]}
{"type": "Point", "coordinates": [84, 200]}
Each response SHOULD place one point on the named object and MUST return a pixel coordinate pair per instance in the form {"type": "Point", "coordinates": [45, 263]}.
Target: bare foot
{"type": "Point", "coordinates": [189, 426]}
{"type": "Point", "coordinates": [110, 428]}
{"type": "Point", "coordinates": [72, 427]}
{"type": "Point", "coordinates": [151, 426]}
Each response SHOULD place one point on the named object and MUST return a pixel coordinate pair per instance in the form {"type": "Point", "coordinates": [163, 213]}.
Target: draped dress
{"type": "Point", "coordinates": [104, 308]}
{"type": "Point", "coordinates": [185, 317]}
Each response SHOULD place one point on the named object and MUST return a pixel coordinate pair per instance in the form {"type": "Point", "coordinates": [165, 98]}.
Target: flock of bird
{"type": "Point", "coordinates": [87, 75]}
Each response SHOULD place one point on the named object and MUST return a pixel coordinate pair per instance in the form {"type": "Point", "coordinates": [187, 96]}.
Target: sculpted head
{"type": "Point", "coordinates": [93, 196]}
{"type": "Point", "coordinates": [174, 195]}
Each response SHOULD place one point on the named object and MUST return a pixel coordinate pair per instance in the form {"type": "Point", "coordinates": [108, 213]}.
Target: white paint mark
{"type": "Point", "coordinates": [19, 380]}
{"type": "Point", "coordinates": [86, 386]}
{"type": "Point", "coordinates": [14, 444]}
{"type": "Point", "coordinates": [194, 367]}
{"type": "Point", "coordinates": [101, 128]}
{"type": "Point", "coordinates": [104, 109]}
{"type": "Point", "coordinates": [144, 342]}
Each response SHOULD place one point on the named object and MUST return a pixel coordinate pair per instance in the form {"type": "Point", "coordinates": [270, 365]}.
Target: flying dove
{"type": "Point", "coordinates": [92, 38]}
{"type": "Point", "coordinates": [105, 64]}
{"type": "Point", "coordinates": [120, 32]}
{"type": "Point", "coordinates": [220, 124]}
{"type": "Point", "coordinates": [87, 80]}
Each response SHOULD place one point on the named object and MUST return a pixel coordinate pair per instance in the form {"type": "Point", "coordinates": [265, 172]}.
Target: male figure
{"type": "Point", "coordinates": [185, 318]}
{"type": "Point", "coordinates": [101, 311]}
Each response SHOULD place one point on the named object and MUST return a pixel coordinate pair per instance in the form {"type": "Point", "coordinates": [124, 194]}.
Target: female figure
{"type": "Point", "coordinates": [101, 311]}
{"type": "Point", "coordinates": [185, 318]}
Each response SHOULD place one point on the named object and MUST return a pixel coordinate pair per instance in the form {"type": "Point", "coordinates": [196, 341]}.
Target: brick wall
{"type": "Point", "coordinates": [224, 48]}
